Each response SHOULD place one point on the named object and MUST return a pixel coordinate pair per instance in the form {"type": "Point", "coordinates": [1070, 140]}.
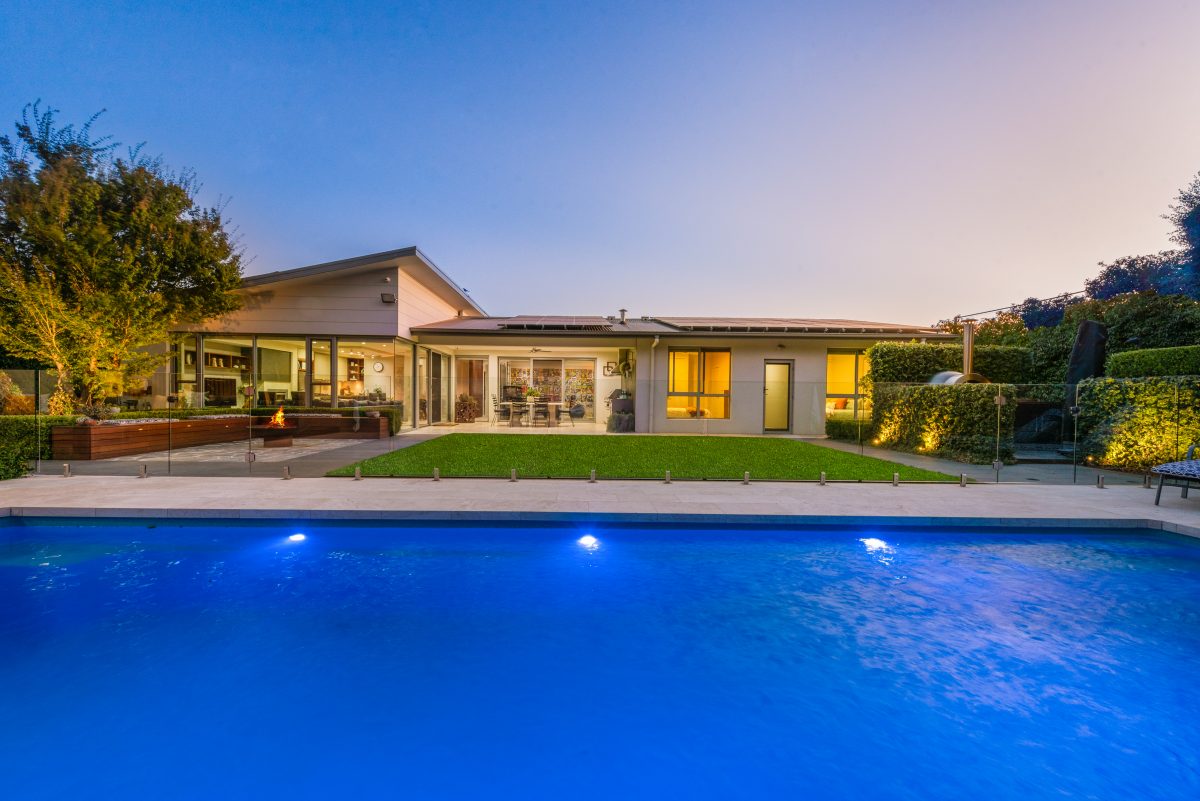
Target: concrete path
{"type": "Point", "coordinates": [1029, 472]}
{"type": "Point", "coordinates": [647, 500]}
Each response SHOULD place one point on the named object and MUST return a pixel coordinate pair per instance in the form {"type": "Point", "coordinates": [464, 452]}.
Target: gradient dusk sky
{"type": "Point", "coordinates": [887, 161]}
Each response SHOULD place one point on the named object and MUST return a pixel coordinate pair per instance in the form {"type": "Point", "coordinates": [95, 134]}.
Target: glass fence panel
{"type": "Point", "coordinates": [1028, 434]}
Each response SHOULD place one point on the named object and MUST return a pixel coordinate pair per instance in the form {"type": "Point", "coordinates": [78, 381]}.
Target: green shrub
{"type": "Point", "coordinates": [20, 433]}
{"type": "Point", "coordinates": [917, 362]}
{"type": "Point", "coordinates": [1134, 424]}
{"type": "Point", "coordinates": [13, 463]}
{"type": "Point", "coordinates": [847, 428]}
{"type": "Point", "coordinates": [1183, 360]}
{"type": "Point", "coordinates": [1135, 320]}
{"type": "Point", "coordinates": [957, 421]}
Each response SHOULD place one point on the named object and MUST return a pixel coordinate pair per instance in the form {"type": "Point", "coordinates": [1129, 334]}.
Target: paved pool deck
{"type": "Point", "coordinates": [634, 501]}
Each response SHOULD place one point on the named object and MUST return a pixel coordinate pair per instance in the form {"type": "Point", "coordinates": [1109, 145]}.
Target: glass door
{"type": "Point", "coordinates": [579, 388]}
{"type": "Point", "coordinates": [423, 386]}
{"type": "Point", "coordinates": [470, 379]}
{"type": "Point", "coordinates": [777, 396]}
{"type": "Point", "coordinates": [547, 380]}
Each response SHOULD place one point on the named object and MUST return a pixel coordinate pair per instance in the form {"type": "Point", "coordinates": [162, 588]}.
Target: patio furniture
{"type": "Point", "coordinates": [500, 411]}
{"type": "Point", "coordinates": [563, 412]}
{"type": "Point", "coordinates": [518, 411]}
{"type": "Point", "coordinates": [1178, 474]}
{"type": "Point", "coordinates": [541, 414]}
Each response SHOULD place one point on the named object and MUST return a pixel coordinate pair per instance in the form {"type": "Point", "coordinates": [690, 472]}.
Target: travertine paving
{"type": "Point", "coordinates": [540, 499]}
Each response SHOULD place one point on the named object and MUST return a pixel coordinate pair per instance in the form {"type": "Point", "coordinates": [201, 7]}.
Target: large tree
{"type": "Point", "coordinates": [1166, 273]}
{"type": "Point", "coordinates": [101, 256]}
{"type": "Point", "coordinates": [1185, 216]}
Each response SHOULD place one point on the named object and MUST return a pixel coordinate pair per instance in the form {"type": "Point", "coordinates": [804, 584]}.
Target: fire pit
{"type": "Point", "coordinates": [276, 432]}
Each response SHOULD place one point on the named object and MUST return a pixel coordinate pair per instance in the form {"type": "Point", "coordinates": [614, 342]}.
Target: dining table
{"type": "Point", "coordinates": [518, 409]}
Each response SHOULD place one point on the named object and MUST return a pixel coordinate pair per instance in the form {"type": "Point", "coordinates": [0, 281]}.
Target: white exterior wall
{"type": "Point", "coordinates": [418, 305]}
{"type": "Point", "coordinates": [748, 357]}
{"type": "Point", "coordinates": [339, 304]}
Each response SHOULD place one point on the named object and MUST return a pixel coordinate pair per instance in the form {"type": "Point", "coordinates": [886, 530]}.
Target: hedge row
{"type": "Point", "coordinates": [1134, 424]}
{"type": "Point", "coordinates": [917, 362]}
{"type": "Point", "coordinates": [19, 433]}
{"type": "Point", "coordinates": [849, 429]}
{"type": "Point", "coordinates": [1184, 360]}
{"type": "Point", "coordinates": [957, 422]}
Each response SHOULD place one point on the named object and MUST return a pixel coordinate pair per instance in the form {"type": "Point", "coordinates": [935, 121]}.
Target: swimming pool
{"type": "Point", "coordinates": [214, 659]}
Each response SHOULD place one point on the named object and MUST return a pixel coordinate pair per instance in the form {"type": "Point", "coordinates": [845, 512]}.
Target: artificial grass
{"type": "Point", "coordinates": [631, 456]}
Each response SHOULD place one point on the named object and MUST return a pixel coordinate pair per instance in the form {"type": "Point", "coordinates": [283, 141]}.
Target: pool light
{"type": "Point", "coordinates": [874, 544]}
{"type": "Point", "coordinates": [589, 542]}
{"type": "Point", "coordinates": [297, 538]}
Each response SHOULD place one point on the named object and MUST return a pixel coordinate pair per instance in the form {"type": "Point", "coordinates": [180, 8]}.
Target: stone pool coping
{"type": "Point", "coordinates": [977, 505]}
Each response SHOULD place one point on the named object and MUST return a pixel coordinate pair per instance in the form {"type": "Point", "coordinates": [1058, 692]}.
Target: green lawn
{"type": "Point", "coordinates": [573, 456]}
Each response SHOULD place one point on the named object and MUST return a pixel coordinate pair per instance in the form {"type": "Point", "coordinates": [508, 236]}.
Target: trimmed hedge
{"type": "Point", "coordinates": [13, 463]}
{"type": "Point", "coordinates": [1184, 360]}
{"type": "Point", "coordinates": [956, 422]}
{"type": "Point", "coordinates": [848, 429]}
{"type": "Point", "coordinates": [19, 432]}
{"type": "Point", "coordinates": [917, 362]}
{"type": "Point", "coordinates": [1134, 424]}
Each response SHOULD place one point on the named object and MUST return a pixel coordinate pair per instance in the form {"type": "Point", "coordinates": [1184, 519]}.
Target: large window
{"type": "Point", "coordinates": [366, 372]}
{"type": "Point", "coordinates": [281, 371]}
{"type": "Point", "coordinates": [845, 396]}
{"type": "Point", "coordinates": [698, 383]}
{"type": "Point", "coordinates": [228, 371]}
{"type": "Point", "coordinates": [185, 358]}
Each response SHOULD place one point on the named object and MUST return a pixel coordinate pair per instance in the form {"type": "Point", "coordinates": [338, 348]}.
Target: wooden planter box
{"type": "Point", "coordinates": [107, 441]}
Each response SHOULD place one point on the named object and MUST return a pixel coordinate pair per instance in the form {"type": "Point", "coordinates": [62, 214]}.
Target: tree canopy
{"type": "Point", "coordinates": [1185, 216]}
{"type": "Point", "coordinates": [102, 256]}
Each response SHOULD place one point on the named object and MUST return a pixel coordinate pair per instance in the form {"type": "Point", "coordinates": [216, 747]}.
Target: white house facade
{"type": "Point", "coordinates": [391, 329]}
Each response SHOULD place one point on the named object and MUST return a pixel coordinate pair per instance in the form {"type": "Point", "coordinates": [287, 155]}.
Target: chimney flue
{"type": "Point", "coordinates": [623, 313]}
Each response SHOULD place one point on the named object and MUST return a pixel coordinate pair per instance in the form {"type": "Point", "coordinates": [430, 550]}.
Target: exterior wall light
{"type": "Point", "coordinates": [387, 297]}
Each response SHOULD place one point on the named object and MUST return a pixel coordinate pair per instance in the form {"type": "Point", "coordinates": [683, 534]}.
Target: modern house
{"type": "Point", "coordinates": [392, 329]}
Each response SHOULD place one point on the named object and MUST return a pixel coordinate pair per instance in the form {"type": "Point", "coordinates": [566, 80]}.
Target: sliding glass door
{"type": "Point", "coordinates": [571, 382]}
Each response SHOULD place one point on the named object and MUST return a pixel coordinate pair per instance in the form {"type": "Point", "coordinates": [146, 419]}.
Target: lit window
{"type": "Point", "coordinates": [698, 383]}
{"type": "Point", "coordinates": [845, 395]}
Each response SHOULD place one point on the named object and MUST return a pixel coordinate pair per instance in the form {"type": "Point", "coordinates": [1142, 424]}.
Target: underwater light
{"type": "Point", "coordinates": [588, 541]}
{"type": "Point", "coordinates": [874, 544]}
{"type": "Point", "coordinates": [297, 538]}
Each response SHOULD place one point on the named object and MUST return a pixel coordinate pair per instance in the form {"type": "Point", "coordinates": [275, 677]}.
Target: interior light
{"type": "Point", "coordinates": [297, 538]}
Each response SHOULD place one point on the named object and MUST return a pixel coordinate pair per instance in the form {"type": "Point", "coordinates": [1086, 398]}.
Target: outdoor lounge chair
{"type": "Point", "coordinates": [1178, 474]}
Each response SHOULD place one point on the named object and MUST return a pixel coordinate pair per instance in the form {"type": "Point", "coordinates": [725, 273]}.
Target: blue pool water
{"type": "Point", "coordinates": [225, 661]}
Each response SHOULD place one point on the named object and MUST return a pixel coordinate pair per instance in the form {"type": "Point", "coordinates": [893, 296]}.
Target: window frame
{"type": "Point", "coordinates": [701, 368]}
{"type": "Point", "coordinates": [857, 396]}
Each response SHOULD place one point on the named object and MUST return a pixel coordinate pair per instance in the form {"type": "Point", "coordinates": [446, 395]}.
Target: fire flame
{"type": "Point", "coordinates": [276, 420]}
